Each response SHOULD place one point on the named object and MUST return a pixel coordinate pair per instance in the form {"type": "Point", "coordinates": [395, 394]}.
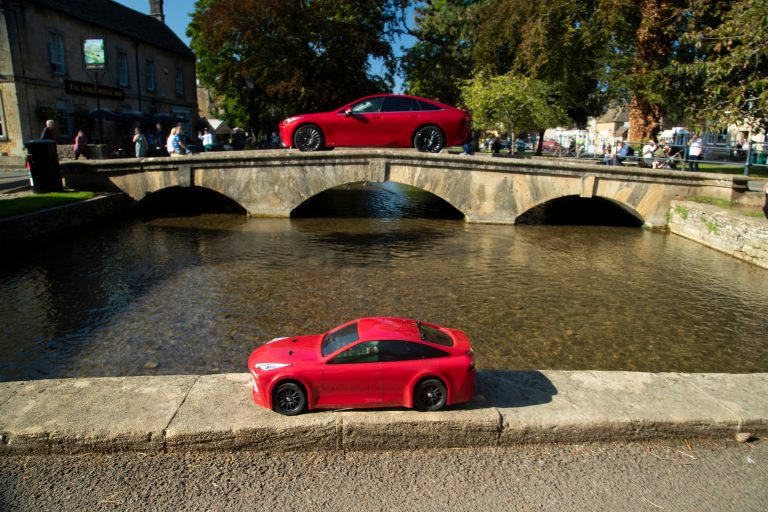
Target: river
{"type": "Point", "coordinates": [195, 293]}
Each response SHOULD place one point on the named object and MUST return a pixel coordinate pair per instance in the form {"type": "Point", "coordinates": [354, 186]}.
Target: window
{"type": "Point", "coordinates": [435, 336]}
{"type": "Point", "coordinates": [367, 352]}
{"type": "Point", "coordinates": [151, 79]}
{"type": "Point", "coordinates": [333, 341]}
{"type": "Point", "coordinates": [56, 53]}
{"type": "Point", "coordinates": [369, 105]}
{"type": "Point", "coordinates": [394, 350]}
{"type": "Point", "coordinates": [64, 118]}
{"type": "Point", "coordinates": [3, 132]}
{"type": "Point", "coordinates": [397, 104]}
{"type": "Point", "coordinates": [122, 69]}
{"type": "Point", "coordinates": [179, 83]}
{"type": "Point", "coordinates": [423, 105]}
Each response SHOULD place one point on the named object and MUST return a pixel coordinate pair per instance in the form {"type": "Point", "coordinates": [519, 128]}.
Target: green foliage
{"type": "Point", "coordinates": [731, 39]}
{"type": "Point", "coordinates": [682, 211]}
{"type": "Point", "coordinates": [31, 203]}
{"type": "Point", "coordinates": [515, 102]}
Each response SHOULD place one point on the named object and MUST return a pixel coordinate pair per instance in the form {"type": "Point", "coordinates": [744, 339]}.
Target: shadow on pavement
{"type": "Point", "coordinates": [505, 388]}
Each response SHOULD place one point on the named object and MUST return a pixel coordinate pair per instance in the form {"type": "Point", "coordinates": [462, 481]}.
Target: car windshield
{"type": "Point", "coordinates": [435, 336]}
{"type": "Point", "coordinates": [339, 338]}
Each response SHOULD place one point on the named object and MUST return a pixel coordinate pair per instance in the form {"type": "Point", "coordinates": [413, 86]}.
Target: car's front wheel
{"type": "Point", "coordinates": [430, 395]}
{"type": "Point", "coordinates": [289, 399]}
{"type": "Point", "coordinates": [429, 139]}
{"type": "Point", "coordinates": [308, 138]}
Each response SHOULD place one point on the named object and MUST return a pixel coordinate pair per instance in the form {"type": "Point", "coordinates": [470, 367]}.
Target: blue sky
{"type": "Point", "coordinates": [178, 16]}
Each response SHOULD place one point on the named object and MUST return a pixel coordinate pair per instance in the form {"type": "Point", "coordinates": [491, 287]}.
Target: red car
{"type": "Point", "coordinates": [386, 120]}
{"type": "Point", "coordinates": [369, 362]}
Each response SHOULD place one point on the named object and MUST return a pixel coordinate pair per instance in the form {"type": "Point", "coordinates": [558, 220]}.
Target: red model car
{"type": "Point", "coordinates": [386, 120]}
{"type": "Point", "coordinates": [370, 362]}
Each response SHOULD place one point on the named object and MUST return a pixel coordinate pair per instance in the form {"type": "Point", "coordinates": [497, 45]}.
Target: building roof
{"type": "Point", "coordinates": [118, 18]}
{"type": "Point", "coordinates": [615, 115]}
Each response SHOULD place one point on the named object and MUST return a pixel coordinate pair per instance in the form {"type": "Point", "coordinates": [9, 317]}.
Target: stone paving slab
{"type": "Point", "coordinates": [91, 415]}
{"type": "Point", "coordinates": [215, 412]}
{"type": "Point", "coordinates": [616, 405]}
{"type": "Point", "coordinates": [219, 413]}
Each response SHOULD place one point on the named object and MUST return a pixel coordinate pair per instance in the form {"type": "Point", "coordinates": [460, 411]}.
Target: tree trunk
{"type": "Point", "coordinates": [654, 41]}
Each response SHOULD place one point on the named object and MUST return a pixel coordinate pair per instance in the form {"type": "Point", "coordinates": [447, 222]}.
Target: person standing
{"type": "Point", "coordinates": [48, 131]}
{"type": "Point", "coordinates": [207, 139]}
{"type": "Point", "coordinates": [141, 143]}
{"type": "Point", "coordinates": [649, 149]}
{"type": "Point", "coordinates": [80, 142]}
{"type": "Point", "coordinates": [160, 140]}
{"type": "Point", "coordinates": [694, 152]}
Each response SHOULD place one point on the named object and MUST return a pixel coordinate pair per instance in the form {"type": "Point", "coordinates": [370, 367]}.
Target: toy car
{"type": "Point", "coordinates": [369, 362]}
{"type": "Point", "coordinates": [385, 120]}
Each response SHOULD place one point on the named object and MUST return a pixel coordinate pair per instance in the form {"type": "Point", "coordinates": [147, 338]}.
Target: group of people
{"type": "Point", "coordinates": [617, 153]}
{"type": "Point", "coordinates": [175, 144]}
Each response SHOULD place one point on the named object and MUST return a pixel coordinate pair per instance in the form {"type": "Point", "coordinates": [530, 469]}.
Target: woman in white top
{"type": "Point", "coordinates": [694, 152]}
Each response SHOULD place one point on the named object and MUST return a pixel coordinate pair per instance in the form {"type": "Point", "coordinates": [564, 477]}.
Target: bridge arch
{"type": "Point", "coordinates": [574, 209]}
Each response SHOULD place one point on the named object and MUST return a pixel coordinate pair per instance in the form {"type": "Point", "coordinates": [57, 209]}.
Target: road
{"type": "Point", "coordinates": [660, 475]}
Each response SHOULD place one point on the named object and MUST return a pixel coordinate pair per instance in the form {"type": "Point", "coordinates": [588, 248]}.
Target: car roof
{"type": "Point", "coordinates": [387, 328]}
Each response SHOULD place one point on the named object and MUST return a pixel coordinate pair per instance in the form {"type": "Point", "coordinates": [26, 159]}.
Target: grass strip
{"type": "Point", "coordinates": [31, 203]}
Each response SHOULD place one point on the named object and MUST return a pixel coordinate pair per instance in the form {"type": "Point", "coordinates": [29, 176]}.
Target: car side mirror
{"type": "Point", "coordinates": [348, 112]}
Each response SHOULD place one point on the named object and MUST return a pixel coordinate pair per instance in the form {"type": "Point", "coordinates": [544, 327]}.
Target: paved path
{"type": "Point", "coordinates": [189, 412]}
{"type": "Point", "coordinates": [680, 475]}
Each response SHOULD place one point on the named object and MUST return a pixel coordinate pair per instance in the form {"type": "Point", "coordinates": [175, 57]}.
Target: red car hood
{"type": "Point", "coordinates": [292, 350]}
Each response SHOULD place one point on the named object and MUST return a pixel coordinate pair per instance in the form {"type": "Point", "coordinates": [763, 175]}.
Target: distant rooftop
{"type": "Point", "coordinates": [118, 18]}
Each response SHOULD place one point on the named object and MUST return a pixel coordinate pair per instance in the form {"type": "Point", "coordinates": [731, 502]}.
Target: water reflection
{"type": "Point", "coordinates": [169, 295]}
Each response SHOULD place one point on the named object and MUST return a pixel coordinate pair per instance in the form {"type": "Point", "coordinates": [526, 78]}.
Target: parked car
{"type": "Point", "coordinates": [551, 146]}
{"type": "Point", "coordinates": [369, 362]}
{"type": "Point", "coordinates": [386, 120]}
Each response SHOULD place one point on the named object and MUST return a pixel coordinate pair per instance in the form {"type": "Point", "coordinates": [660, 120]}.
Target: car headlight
{"type": "Point", "coordinates": [265, 367]}
{"type": "Point", "coordinates": [290, 120]}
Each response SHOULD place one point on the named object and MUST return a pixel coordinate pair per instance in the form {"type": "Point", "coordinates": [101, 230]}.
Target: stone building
{"type": "Point", "coordinates": [148, 74]}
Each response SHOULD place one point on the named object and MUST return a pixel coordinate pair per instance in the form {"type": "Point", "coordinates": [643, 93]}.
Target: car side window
{"type": "Point", "coordinates": [367, 106]}
{"type": "Point", "coordinates": [395, 350]}
{"type": "Point", "coordinates": [423, 105]}
{"type": "Point", "coordinates": [397, 104]}
{"type": "Point", "coordinates": [367, 352]}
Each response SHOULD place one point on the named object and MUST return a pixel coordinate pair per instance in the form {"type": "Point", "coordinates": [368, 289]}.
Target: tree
{"type": "Point", "coordinates": [298, 55]}
{"type": "Point", "coordinates": [441, 58]}
{"type": "Point", "coordinates": [515, 102]}
{"type": "Point", "coordinates": [732, 41]}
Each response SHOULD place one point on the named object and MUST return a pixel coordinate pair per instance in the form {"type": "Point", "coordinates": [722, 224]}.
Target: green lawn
{"type": "Point", "coordinates": [31, 203]}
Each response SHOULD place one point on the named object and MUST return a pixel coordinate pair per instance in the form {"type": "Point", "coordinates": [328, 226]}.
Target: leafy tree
{"type": "Point", "coordinates": [297, 55]}
{"type": "Point", "coordinates": [732, 41]}
{"type": "Point", "coordinates": [441, 57]}
{"type": "Point", "coordinates": [515, 102]}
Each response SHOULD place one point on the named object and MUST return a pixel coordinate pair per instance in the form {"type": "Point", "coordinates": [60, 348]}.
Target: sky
{"type": "Point", "coordinates": [178, 16]}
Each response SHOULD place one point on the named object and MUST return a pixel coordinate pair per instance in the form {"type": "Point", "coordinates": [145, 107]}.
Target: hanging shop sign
{"type": "Point", "coordinates": [94, 54]}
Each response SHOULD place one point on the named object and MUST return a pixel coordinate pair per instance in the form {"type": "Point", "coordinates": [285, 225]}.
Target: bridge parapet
{"type": "Point", "coordinates": [486, 189]}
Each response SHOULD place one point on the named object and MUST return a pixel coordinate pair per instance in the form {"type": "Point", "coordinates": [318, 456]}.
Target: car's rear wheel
{"type": "Point", "coordinates": [289, 399]}
{"type": "Point", "coordinates": [308, 138]}
{"type": "Point", "coordinates": [429, 139]}
{"type": "Point", "coordinates": [430, 395]}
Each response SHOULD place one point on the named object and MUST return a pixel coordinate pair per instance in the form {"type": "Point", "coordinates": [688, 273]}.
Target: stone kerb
{"type": "Point", "coordinates": [215, 412]}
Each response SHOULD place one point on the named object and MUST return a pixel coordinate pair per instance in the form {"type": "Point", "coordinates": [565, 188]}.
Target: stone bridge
{"type": "Point", "coordinates": [485, 189]}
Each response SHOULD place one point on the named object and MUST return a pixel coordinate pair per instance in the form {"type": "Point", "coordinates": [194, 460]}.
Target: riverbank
{"type": "Point", "coordinates": [215, 412]}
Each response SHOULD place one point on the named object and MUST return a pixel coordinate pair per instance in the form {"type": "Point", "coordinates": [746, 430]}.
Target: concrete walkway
{"type": "Point", "coordinates": [190, 412]}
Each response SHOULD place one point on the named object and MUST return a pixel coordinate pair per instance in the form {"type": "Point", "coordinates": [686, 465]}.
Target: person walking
{"type": "Point", "coordinates": [141, 143]}
{"type": "Point", "coordinates": [694, 152]}
{"type": "Point", "coordinates": [80, 142]}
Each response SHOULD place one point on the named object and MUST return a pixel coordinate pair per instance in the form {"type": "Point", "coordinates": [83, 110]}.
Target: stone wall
{"type": "Point", "coordinates": [745, 238]}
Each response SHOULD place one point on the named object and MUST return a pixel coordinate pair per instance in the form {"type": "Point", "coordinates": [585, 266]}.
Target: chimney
{"type": "Point", "coordinates": [156, 10]}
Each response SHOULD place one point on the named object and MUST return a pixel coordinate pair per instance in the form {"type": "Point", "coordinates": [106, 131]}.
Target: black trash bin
{"type": "Point", "coordinates": [43, 165]}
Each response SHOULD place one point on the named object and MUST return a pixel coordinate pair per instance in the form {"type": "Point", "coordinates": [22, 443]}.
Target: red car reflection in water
{"type": "Point", "coordinates": [369, 362]}
{"type": "Point", "coordinates": [386, 120]}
